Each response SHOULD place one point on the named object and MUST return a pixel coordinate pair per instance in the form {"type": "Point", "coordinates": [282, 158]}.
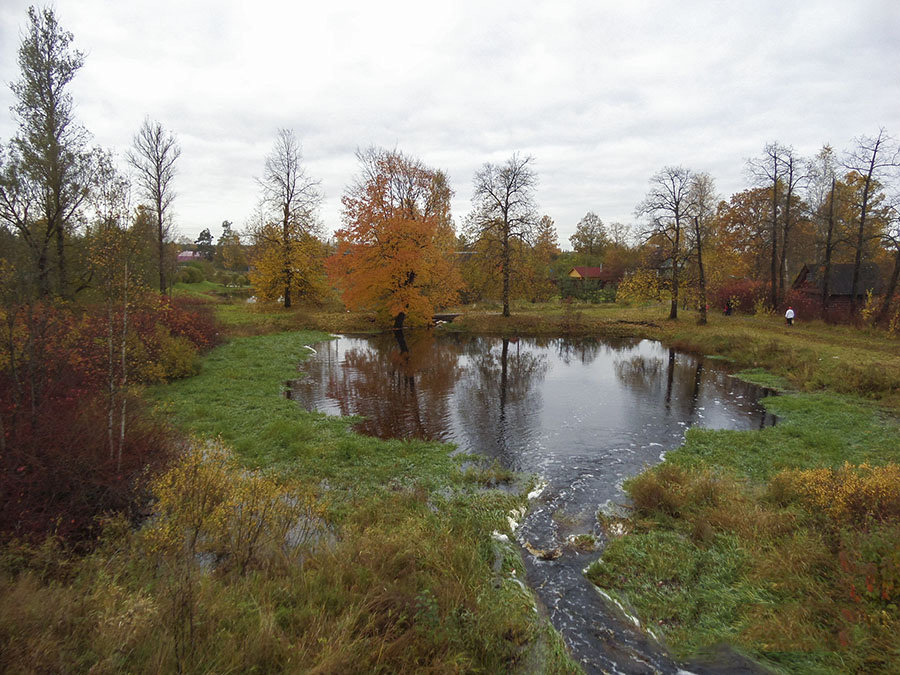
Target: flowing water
{"type": "Point", "coordinates": [582, 414]}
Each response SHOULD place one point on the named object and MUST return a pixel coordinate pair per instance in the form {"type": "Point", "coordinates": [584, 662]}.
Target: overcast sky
{"type": "Point", "coordinates": [602, 94]}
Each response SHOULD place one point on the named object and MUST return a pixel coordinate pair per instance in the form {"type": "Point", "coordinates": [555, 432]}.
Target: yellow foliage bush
{"type": "Point", "coordinates": [849, 494]}
{"type": "Point", "coordinates": [639, 287]}
{"type": "Point", "coordinates": [208, 505]}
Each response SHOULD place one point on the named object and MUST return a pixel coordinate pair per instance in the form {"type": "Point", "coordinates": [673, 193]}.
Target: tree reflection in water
{"type": "Point", "coordinates": [586, 350]}
{"type": "Point", "coordinates": [498, 401]}
{"type": "Point", "coordinates": [679, 389]}
{"type": "Point", "coordinates": [680, 381]}
{"type": "Point", "coordinates": [400, 385]}
{"type": "Point", "coordinates": [527, 403]}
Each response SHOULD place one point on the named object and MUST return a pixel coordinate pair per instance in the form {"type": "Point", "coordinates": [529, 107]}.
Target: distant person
{"type": "Point", "coordinates": [728, 308]}
{"type": "Point", "coordinates": [789, 316]}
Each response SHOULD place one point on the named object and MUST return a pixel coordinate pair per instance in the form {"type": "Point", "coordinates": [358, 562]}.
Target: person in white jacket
{"type": "Point", "coordinates": [789, 316]}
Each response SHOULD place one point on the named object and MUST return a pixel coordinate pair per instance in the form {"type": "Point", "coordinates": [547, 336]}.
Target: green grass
{"type": "Point", "coordinates": [239, 397]}
{"type": "Point", "coordinates": [715, 553]}
{"type": "Point", "coordinates": [814, 430]}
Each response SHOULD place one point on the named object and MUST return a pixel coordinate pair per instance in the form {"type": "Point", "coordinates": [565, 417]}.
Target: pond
{"type": "Point", "coordinates": [582, 414]}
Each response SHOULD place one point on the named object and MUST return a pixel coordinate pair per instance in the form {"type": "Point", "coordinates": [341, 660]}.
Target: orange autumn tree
{"type": "Point", "coordinates": [394, 253]}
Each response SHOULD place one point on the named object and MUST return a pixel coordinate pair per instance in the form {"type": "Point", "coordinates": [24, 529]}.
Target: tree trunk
{"type": "Point", "coordinates": [673, 310]}
{"type": "Point", "coordinates": [111, 380]}
{"type": "Point", "coordinates": [506, 257]}
{"type": "Point", "coordinates": [829, 246]}
{"type": "Point", "coordinates": [860, 240]}
{"type": "Point", "coordinates": [786, 229]}
{"type": "Point", "coordinates": [124, 381]}
{"type": "Point", "coordinates": [773, 271]}
{"type": "Point", "coordinates": [62, 281]}
{"type": "Point", "coordinates": [287, 270]}
{"type": "Point", "coordinates": [398, 321]}
{"type": "Point", "coordinates": [161, 251]}
{"type": "Point", "coordinates": [702, 320]}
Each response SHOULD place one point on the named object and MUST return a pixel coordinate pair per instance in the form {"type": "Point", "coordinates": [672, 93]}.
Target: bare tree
{"type": "Point", "coordinates": [823, 181]}
{"type": "Point", "coordinates": [891, 242]}
{"type": "Point", "coordinates": [794, 175]}
{"type": "Point", "coordinates": [291, 197]}
{"type": "Point", "coordinates": [503, 207]}
{"type": "Point", "coordinates": [872, 158]}
{"type": "Point", "coordinates": [767, 170]}
{"type": "Point", "coordinates": [153, 156]}
{"type": "Point", "coordinates": [45, 175]}
{"type": "Point", "coordinates": [667, 206]}
{"type": "Point", "coordinates": [702, 200]}
{"type": "Point", "coordinates": [619, 233]}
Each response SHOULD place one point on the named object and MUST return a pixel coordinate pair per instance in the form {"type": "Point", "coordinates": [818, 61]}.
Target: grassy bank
{"type": "Point", "coordinates": [397, 569]}
{"type": "Point", "coordinates": [768, 541]}
{"type": "Point", "coordinates": [781, 542]}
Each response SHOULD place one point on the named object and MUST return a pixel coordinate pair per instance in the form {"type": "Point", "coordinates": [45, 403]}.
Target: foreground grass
{"type": "Point", "coordinates": [403, 574]}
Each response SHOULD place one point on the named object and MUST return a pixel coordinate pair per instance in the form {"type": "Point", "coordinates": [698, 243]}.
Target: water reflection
{"type": "Point", "coordinates": [497, 397]}
{"type": "Point", "coordinates": [529, 403]}
{"type": "Point", "coordinates": [399, 383]}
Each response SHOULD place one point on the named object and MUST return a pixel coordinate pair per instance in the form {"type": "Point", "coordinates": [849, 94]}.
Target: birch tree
{"type": "Point", "coordinates": [153, 156]}
{"type": "Point", "coordinates": [285, 231]}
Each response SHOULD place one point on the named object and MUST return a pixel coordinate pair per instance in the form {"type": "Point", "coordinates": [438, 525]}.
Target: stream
{"type": "Point", "coordinates": [581, 414]}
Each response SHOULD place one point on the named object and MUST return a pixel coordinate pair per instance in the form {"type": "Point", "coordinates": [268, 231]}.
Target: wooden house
{"type": "Point", "coordinates": [840, 283]}
{"type": "Point", "coordinates": [597, 276]}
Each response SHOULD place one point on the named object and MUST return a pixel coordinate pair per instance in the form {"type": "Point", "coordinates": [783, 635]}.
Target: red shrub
{"type": "Point", "coordinates": [56, 472]}
{"type": "Point", "coordinates": [743, 295]}
{"type": "Point", "coordinates": [192, 318]}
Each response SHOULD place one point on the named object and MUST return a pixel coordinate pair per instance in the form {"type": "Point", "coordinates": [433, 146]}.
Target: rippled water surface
{"type": "Point", "coordinates": [582, 414]}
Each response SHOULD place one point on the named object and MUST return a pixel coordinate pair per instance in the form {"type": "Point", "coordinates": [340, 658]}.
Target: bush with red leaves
{"type": "Point", "coordinates": [57, 473]}
{"type": "Point", "coordinates": [743, 294]}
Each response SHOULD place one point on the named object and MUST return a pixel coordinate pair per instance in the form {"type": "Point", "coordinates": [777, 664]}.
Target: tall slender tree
{"type": "Point", "coordinates": [794, 175]}
{"type": "Point", "coordinates": [153, 156]}
{"type": "Point", "coordinates": [767, 170]}
{"type": "Point", "coordinates": [46, 173]}
{"type": "Point", "coordinates": [822, 191]}
{"type": "Point", "coordinates": [703, 200]}
{"type": "Point", "coordinates": [504, 208]}
{"type": "Point", "coordinates": [870, 159]}
{"type": "Point", "coordinates": [891, 242]}
{"type": "Point", "coordinates": [290, 199]}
